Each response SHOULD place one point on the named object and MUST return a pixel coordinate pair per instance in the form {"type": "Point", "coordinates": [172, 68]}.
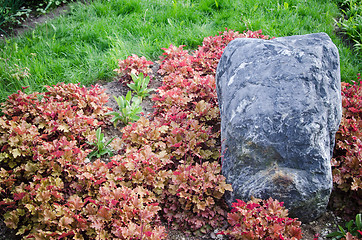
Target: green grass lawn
{"type": "Point", "coordinates": [84, 44]}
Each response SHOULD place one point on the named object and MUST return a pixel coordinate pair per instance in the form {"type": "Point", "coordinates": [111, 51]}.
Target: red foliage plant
{"type": "Point", "coordinates": [347, 160]}
{"type": "Point", "coordinates": [185, 126]}
{"type": "Point", "coordinates": [193, 199]}
{"type": "Point", "coordinates": [63, 113]}
{"type": "Point", "coordinates": [346, 163]}
{"type": "Point", "coordinates": [167, 168]}
{"type": "Point", "coordinates": [262, 219]}
{"type": "Point", "coordinates": [133, 65]}
{"type": "Point", "coordinates": [47, 189]}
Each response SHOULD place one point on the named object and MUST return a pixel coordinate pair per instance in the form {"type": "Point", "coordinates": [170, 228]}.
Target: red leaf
{"type": "Point", "coordinates": [354, 110]}
{"type": "Point", "coordinates": [177, 145]}
{"type": "Point", "coordinates": [100, 181]}
{"type": "Point", "coordinates": [66, 234]}
{"type": "Point", "coordinates": [89, 199]}
{"type": "Point", "coordinates": [105, 213]}
{"type": "Point", "coordinates": [90, 121]}
{"type": "Point", "coordinates": [19, 196]}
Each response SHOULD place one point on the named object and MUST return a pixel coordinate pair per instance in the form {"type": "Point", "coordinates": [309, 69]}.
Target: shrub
{"type": "Point", "coordinates": [47, 189]}
{"type": "Point", "coordinates": [261, 219]}
{"type": "Point", "coordinates": [33, 121]}
{"type": "Point", "coordinates": [193, 200]}
{"type": "Point", "coordinates": [113, 210]}
{"type": "Point", "coordinates": [14, 12]}
{"type": "Point", "coordinates": [133, 65]}
{"type": "Point", "coordinates": [169, 161]}
{"type": "Point", "coordinates": [347, 160]}
{"type": "Point", "coordinates": [181, 138]}
{"type": "Point", "coordinates": [185, 125]}
{"type": "Point", "coordinates": [11, 12]}
{"type": "Point", "coordinates": [84, 201]}
{"type": "Point", "coordinates": [143, 167]}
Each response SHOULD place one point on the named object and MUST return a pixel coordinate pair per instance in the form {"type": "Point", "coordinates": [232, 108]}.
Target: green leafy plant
{"type": "Point", "coordinates": [15, 12]}
{"type": "Point", "coordinates": [46, 5]}
{"type": "Point", "coordinates": [354, 228]}
{"type": "Point", "coordinates": [140, 84]}
{"type": "Point", "coordinates": [100, 146]}
{"type": "Point", "coordinates": [129, 108]}
{"type": "Point", "coordinates": [351, 22]}
{"type": "Point", "coordinates": [11, 11]}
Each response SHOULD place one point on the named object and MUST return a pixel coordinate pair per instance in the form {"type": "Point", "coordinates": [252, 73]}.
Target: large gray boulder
{"type": "Point", "coordinates": [280, 103]}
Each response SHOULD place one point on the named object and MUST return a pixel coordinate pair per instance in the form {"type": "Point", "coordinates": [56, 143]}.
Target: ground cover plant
{"type": "Point", "coordinates": [49, 188]}
{"type": "Point", "coordinates": [166, 171]}
{"type": "Point", "coordinates": [347, 158]}
{"type": "Point", "coordinates": [262, 219]}
{"type": "Point", "coordinates": [83, 44]}
{"type": "Point", "coordinates": [155, 179]}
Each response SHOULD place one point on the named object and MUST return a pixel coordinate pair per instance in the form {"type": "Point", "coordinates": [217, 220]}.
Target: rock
{"type": "Point", "coordinates": [280, 103]}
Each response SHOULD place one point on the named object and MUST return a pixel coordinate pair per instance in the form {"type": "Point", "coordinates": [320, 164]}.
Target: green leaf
{"type": "Point", "coordinates": [349, 226]}
{"type": "Point", "coordinates": [358, 222]}
{"type": "Point", "coordinates": [342, 230]}
{"type": "Point", "coordinates": [334, 234]}
{"type": "Point", "coordinates": [98, 134]}
{"type": "Point", "coordinates": [92, 154]}
{"type": "Point", "coordinates": [110, 141]}
{"type": "Point", "coordinates": [140, 85]}
{"type": "Point", "coordinates": [129, 96]}
{"type": "Point", "coordinates": [136, 101]}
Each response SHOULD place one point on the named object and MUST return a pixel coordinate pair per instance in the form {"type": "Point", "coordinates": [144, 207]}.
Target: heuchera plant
{"type": "Point", "coordinates": [133, 65]}
{"type": "Point", "coordinates": [31, 121]}
{"type": "Point", "coordinates": [167, 168]}
{"type": "Point", "coordinates": [261, 219]}
{"type": "Point", "coordinates": [347, 161]}
{"type": "Point", "coordinates": [193, 198]}
{"type": "Point", "coordinates": [47, 190]}
{"type": "Point", "coordinates": [186, 126]}
{"type": "Point", "coordinates": [347, 156]}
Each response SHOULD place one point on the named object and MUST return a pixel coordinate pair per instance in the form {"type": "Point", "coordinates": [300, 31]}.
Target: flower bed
{"type": "Point", "coordinates": [166, 170]}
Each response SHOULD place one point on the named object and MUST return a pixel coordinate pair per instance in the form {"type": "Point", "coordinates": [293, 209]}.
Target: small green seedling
{"type": "Point", "coordinates": [354, 230]}
{"type": "Point", "coordinates": [139, 85]}
{"type": "Point", "coordinates": [129, 108]}
{"type": "Point", "coordinates": [101, 147]}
